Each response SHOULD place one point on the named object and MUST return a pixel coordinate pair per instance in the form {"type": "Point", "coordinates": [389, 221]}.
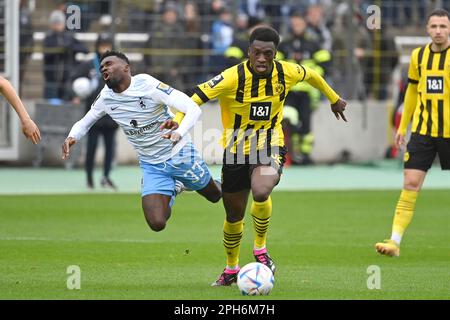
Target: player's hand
{"type": "Point", "coordinates": [338, 109]}
{"type": "Point", "coordinates": [400, 140]}
{"type": "Point", "coordinates": [31, 131]}
{"type": "Point", "coordinates": [169, 124]}
{"type": "Point", "coordinates": [172, 135]}
{"type": "Point", "coordinates": [66, 147]}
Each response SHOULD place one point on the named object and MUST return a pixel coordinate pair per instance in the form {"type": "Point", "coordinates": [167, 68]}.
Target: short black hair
{"type": "Point", "coordinates": [117, 54]}
{"type": "Point", "coordinates": [266, 34]}
{"type": "Point", "coordinates": [439, 13]}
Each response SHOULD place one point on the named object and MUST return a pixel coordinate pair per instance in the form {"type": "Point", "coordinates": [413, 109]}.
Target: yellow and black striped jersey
{"type": "Point", "coordinates": [252, 105]}
{"type": "Point", "coordinates": [430, 71]}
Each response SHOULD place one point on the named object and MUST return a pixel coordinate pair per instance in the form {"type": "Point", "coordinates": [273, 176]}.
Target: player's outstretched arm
{"type": "Point", "coordinates": [29, 128]}
{"type": "Point", "coordinates": [80, 129]}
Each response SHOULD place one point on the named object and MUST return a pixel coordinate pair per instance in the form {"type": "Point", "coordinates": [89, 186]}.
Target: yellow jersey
{"type": "Point", "coordinates": [252, 105]}
{"type": "Point", "coordinates": [430, 71]}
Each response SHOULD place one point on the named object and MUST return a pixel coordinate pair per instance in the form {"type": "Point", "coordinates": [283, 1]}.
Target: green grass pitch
{"type": "Point", "coordinates": [322, 243]}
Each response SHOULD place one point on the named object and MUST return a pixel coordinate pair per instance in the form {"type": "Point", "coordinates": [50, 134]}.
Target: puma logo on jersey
{"type": "Point", "coordinates": [276, 158]}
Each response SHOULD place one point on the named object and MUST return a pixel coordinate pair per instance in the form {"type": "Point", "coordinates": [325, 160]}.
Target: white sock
{"type": "Point", "coordinates": [232, 268]}
{"type": "Point", "coordinates": [255, 248]}
{"type": "Point", "coordinates": [396, 237]}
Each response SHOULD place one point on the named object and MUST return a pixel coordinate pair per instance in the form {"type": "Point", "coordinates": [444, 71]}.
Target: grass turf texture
{"type": "Point", "coordinates": [322, 243]}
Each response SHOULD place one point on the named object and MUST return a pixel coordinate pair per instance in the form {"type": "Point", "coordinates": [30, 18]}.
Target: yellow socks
{"type": "Point", "coordinates": [261, 212]}
{"type": "Point", "coordinates": [232, 235]}
{"type": "Point", "coordinates": [403, 214]}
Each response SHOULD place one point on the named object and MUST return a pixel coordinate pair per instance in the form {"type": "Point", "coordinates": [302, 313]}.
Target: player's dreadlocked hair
{"type": "Point", "coordinates": [266, 34]}
{"type": "Point", "coordinates": [117, 54]}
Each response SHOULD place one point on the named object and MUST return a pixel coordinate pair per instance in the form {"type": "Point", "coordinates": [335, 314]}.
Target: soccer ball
{"type": "Point", "coordinates": [82, 87]}
{"type": "Point", "coordinates": [255, 279]}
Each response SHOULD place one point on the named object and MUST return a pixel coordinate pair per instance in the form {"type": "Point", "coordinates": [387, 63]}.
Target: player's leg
{"type": "Point", "coordinates": [263, 180]}
{"type": "Point", "coordinates": [212, 192]}
{"type": "Point", "coordinates": [235, 204]}
{"type": "Point", "coordinates": [404, 211]}
{"type": "Point", "coordinates": [235, 191]}
{"type": "Point", "coordinates": [158, 193]}
{"type": "Point", "coordinates": [265, 175]}
{"type": "Point", "coordinates": [419, 157]}
{"type": "Point", "coordinates": [157, 210]}
{"type": "Point", "coordinates": [189, 168]}
{"type": "Point", "coordinates": [90, 155]}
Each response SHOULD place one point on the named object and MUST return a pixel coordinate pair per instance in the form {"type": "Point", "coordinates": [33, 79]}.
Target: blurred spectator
{"type": "Point", "coordinates": [350, 65]}
{"type": "Point", "coordinates": [140, 14]}
{"type": "Point", "coordinates": [60, 48]}
{"type": "Point", "coordinates": [26, 40]}
{"type": "Point", "coordinates": [106, 126]}
{"type": "Point", "coordinates": [381, 63]}
{"type": "Point", "coordinates": [222, 38]}
{"type": "Point", "coordinates": [317, 29]}
{"type": "Point", "coordinates": [254, 10]}
{"type": "Point", "coordinates": [209, 11]}
{"type": "Point", "coordinates": [275, 14]}
{"type": "Point", "coordinates": [166, 36]}
{"type": "Point", "coordinates": [192, 61]}
{"type": "Point", "coordinates": [191, 17]}
{"type": "Point", "coordinates": [304, 98]}
{"type": "Point", "coordinates": [400, 12]}
{"type": "Point", "coordinates": [237, 51]}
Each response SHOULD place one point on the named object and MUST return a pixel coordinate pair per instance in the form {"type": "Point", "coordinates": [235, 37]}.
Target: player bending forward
{"type": "Point", "coordinates": [139, 105]}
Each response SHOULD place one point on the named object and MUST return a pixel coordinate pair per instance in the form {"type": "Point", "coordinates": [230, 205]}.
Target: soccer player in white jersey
{"type": "Point", "coordinates": [139, 104]}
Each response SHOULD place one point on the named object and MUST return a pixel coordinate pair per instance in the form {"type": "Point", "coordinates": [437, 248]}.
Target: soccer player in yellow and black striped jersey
{"type": "Point", "coordinates": [251, 96]}
{"type": "Point", "coordinates": [427, 102]}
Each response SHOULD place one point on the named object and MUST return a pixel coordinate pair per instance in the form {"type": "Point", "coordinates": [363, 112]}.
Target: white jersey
{"type": "Point", "coordinates": [139, 111]}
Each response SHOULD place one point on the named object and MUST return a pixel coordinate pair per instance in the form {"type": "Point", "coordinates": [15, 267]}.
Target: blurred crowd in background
{"type": "Point", "coordinates": [186, 42]}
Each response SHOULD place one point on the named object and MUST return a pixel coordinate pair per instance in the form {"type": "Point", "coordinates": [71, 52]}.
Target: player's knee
{"type": "Point", "coordinates": [261, 194]}
{"type": "Point", "coordinates": [157, 225]}
{"type": "Point", "coordinates": [155, 220]}
{"type": "Point", "coordinates": [234, 218]}
{"type": "Point", "coordinates": [215, 197]}
{"type": "Point", "coordinates": [412, 183]}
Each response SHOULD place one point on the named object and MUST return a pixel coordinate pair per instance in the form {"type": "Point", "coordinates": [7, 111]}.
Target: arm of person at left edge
{"type": "Point", "coordinates": [29, 128]}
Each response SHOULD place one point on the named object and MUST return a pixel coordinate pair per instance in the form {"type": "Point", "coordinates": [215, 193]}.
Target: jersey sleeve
{"type": "Point", "coordinates": [164, 94]}
{"type": "Point", "coordinates": [413, 72]}
{"type": "Point", "coordinates": [296, 71]}
{"type": "Point", "coordinates": [410, 101]}
{"type": "Point", "coordinates": [96, 112]}
{"type": "Point", "coordinates": [209, 90]}
{"type": "Point", "coordinates": [318, 82]}
{"type": "Point", "coordinates": [212, 88]}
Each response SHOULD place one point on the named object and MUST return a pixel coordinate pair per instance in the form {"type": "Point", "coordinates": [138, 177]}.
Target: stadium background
{"type": "Point", "coordinates": [49, 220]}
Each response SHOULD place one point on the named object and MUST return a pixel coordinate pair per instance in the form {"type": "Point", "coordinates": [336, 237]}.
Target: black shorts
{"type": "Point", "coordinates": [421, 152]}
{"type": "Point", "coordinates": [236, 174]}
